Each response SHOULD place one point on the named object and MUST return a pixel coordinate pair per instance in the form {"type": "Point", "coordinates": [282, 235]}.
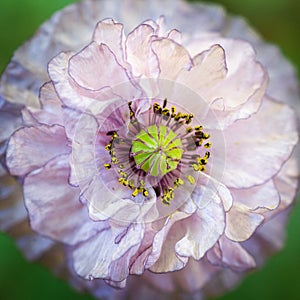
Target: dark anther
{"type": "Point", "coordinates": [157, 190]}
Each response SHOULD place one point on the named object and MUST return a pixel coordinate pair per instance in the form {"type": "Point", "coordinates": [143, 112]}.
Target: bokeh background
{"type": "Point", "coordinates": [278, 21]}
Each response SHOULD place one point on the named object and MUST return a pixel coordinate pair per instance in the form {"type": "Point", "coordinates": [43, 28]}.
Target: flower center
{"type": "Point", "coordinates": [157, 150]}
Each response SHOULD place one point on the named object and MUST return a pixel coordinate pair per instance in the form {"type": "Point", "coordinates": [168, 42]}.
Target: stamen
{"type": "Point", "coordinates": [165, 102]}
{"type": "Point", "coordinates": [178, 182]}
{"type": "Point", "coordinates": [107, 166]}
{"type": "Point", "coordinates": [191, 179]}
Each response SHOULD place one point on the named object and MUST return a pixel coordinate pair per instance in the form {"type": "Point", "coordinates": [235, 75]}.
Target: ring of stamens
{"type": "Point", "coordinates": [158, 151]}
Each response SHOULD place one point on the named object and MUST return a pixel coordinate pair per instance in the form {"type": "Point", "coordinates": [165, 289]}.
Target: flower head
{"type": "Point", "coordinates": [152, 148]}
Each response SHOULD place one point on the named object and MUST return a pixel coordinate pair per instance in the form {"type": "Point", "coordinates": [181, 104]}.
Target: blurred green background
{"type": "Point", "coordinates": [278, 21]}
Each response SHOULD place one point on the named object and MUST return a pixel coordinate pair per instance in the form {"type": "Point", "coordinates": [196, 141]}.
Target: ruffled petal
{"type": "Point", "coordinates": [231, 254]}
{"type": "Point", "coordinates": [163, 257]}
{"type": "Point", "coordinates": [172, 58]}
{"type": "Point", "coordinates": [141, 257]}
{"type": "Point", "coordinates": [255, 142]}
{"type": "Point", "coordinates": [31, 147]}
{"type": "Point", "coordinates": [209, 68]}
{"type": "Point", "coordinates": [139, 53]}
{"type": "Point", "coordinates": [202, 230]}
{"type": "Point", "coordinates": [83, 130]}
{"type": "Point", "coordinates": [10, 119]}
{"type": "Point", "coordinates": [12, 208]}
{"type": "Point", "coordinates": [262, 196]}
{"type": "Point", "coordinates": [100, 255]}
{"type": "Point", "coordinates": [209, 189]}
{"type": "Point", "coordinates": [111, 33]}
{"type": "Point", "coordinates": [239, 94]}
{"type": "Point", "coordinates": [96, 67]}
{"type": "Point", "coordinates": [47, 187]}
{"type": "Point", "coordinates": [286, 182]}
{"type": "Point", "coordinates": [241, 64]}
{"type": "Point", "coordinates": [185, 282]}
{"type": "Point", "coordinates": [282, 78]}
{"type": "Point", "coordinates": [58, 72]}
{"type": "Point", "coordinates": [51, 111]}
{"type": "Point", "coordinates": [268, 238]}
{"type": "Point", "coordinates": [241, 222]}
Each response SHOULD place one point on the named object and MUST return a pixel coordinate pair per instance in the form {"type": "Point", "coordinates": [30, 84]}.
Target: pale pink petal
{"type": "Point", "coordinates": [141, 257]}
{"type": "Point", "coordinates": [70, 28]}
{"type": "Point", "coordinates": [286, 182]}
{"type": "Point", "coordinates": [83, 130]}
{"type": "Point", "coordinates": [49, 99]}
{"type": "Point", "coordinates": [163, 257]}
{"type": "Point", "coordinates": [12, 214]}
{"type": "Point", "coordinates": [111, 33]}
{"type": "Point", "coordinates": [175, 35]}
{"type": "Point", "coordinates": [188, 280]}
{"type": "Point", "coordinates": [202, 231]}
{"type": "Point", "coordinates": [96, 67]}
{"type": "Point", "coordinates": [58, 72]}
{"type": "Point", "coordinates": [70, 93]}
{"type": "Point", "coordinates": [241, 222]}
{"type": "Point", "coordinates": [244, 73]}
{"type": "Point", "coordinates": [14, 220]}
{"type": "Point", "coordinates": [209, 189]}
{"type": "Point", "coordinates": [262, 196]}
{"type": "Point", "coordinates": [209, 68]}
{"type": "Point", "coordinates": [282, 78]}
{"type": "Point", "coordinates": [172, 58]}
{"type": "Point", "coordinates": [240, 91]}
{"type": "Point", "coordinates": [225, 279]}
{"type": "Point", "coordinates": [34, 245]}
{"type": "Point", "coordinates": [99, 255]}
{"type": "Point", "coordinates": [231, 254]}
{"type": "Point", "coordinates": [47, 187]}
{"type": "Point", "coordinates": [163, 282]}
{"type": "Point", "coordinates": [139, 53]}
{"type": "Point", "coordinates": [10, 119]}
{"type": "Point", "coordinates": [117, 204]}
{"type": "Point", "coordinates": [169, 260]}
{"type": "Point", "coordinates": [12, 207]}
{"type": "Point", "coordinates": [50, 112]}
{"type": "Point", "coordinates": [227, 117]}
{"type": "Point", "coordinates": [195, 276]}
{"type": "Point", "coordinates": [268, 238]}
{"type": "Point", "coordinates": [256, 142]}
{"type": "Point", "coordinates": [235, 256]}
{"type": "Point", "coordinates": [31, 147]}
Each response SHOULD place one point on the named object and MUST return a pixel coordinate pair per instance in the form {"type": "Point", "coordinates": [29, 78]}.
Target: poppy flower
{"type": "Point", "coordinates": [154, 148]}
